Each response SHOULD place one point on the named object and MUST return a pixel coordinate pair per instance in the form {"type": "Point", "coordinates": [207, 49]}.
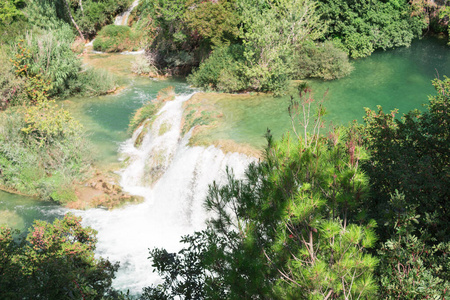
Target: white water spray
{"type": "Point", "coordinates": [173, 204]}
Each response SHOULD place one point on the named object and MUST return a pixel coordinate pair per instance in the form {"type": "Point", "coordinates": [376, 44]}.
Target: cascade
{"type": "Point", "coordinates": [173, 178]}
{"type": "Point", "coordinates": [122, 19]}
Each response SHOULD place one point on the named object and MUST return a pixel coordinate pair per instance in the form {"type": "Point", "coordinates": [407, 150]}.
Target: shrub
{"type": "Point", "coordinates": [223, 71]}
{"type": "Point", "coordinates": [54, 261]}
{"type": "Point", "coordinates": [322, 60]}
{"type": "Point", "coordinates": [42, 150]}
{"type": "Point", "coordinates": [116, 38]}
{"type": "Point", "coordinates": [77, 46]}
{"type": "Point", "coordinates": [47, 57]}
{"type": "Point", "coordinates": [94, 82]}
{"type": "Point", "coordinates": [63, 195]}
{"type": "Point", "coordinates": [144, 64]}
{"type": "Point", "coordinates": [12, 88]}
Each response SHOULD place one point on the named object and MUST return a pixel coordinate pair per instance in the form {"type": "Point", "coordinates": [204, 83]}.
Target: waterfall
{"type": "Point", "coordinates": [173, 203]}
{"type": "Point", "coordinates": [122, 19]}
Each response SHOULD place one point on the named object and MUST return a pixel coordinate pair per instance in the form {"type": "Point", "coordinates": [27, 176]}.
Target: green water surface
{"type": "Point", "coordinates": [398, 78]}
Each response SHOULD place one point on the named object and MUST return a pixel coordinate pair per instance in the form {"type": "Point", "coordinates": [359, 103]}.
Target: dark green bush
{"type": "Point", "coordinates": [223, 70]}
{"type": "Point", "coordinates": [366, 25]}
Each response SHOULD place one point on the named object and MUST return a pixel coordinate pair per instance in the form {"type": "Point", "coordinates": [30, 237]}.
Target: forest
{"type": "Point", "coordinates": [355, 211]}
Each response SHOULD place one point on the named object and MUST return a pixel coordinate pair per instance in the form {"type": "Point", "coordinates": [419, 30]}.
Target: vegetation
{"type": "Point", "coordinates": [38, 65]}
{"type": "Point", "coordinates": [299, 225]}
{"type": "Point", "coordinates": [12, 20]}
{"type": "Point", "coordinates": [149, 110]}
{"type": "Point", "coordinates": [48, 135]}
{"type": "Point", "coordinates": [12, 88]}
{"type": "Point", "coordinates": [144, 65]}
{"type": "Point", "coordinates": [43, 60]}
{"type": "Point", "coordinates": [54, 261]}
{"type": "Point", "coordinates": [92, 15]}
{"type": "Point", "coordinates": [115, 38]}
{"type": "Point", "coordinates": [364, 26]}
{"type": "Point", "coordinates": [261, 45]}
{"type": "Point", "coordinates": [359, 213]}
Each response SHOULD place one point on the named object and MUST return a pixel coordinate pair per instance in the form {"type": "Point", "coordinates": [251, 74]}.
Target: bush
{"type": "Point", "coordinates": [63, 195]}
{"type": "Point", "coordinates": [94, 82]}
{"type": "Point", "coordinates": [42, 150]}
{"type": "Point", "coordinates": [12, 88]}
{"type": "Point", "coordinates": [116, 38]}
{"type": "Point", "coordinates": [47, 55]}
{"type": "Point", "coordinates": [54, 261]}
{"type": "Point", "coordinates": [322, 60]}
{"type": "Point", "coordinates": [144, 64]}
{"type": "Point", "coordinates": [222, 71]}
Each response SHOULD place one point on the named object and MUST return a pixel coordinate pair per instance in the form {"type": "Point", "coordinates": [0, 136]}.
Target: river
{"type": "Point", "coordinates": [399, 78]}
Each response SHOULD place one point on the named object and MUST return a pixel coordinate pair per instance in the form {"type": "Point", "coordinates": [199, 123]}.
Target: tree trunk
{"type": "Point", "coordinates": [72, 19]}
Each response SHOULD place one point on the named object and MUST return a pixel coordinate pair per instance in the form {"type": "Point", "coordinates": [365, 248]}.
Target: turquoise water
{"type": "Point", "coordinates": [399, 78]}
{"type": "Point", "coordinates": [19, 212]}
{"type": "Point", "coordinates": [106, 118]}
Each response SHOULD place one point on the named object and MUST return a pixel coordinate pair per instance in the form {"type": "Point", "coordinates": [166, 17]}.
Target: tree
{"type": "Point", "coordinates": [271, 32]}
{"type": "Point", "coordinates": [55, 261]}
{"type": "Point", "coordinates": [361, 27]}
{"type": "Point", "coordinates": [215, 21]}
{"type": "Point", "coordinates": [413, 266]}
{"type": "Point", "coordinates": [288, 230]}
{"type": "Point", "coordinates": [411, 155]}
{"type": "Point", "coordinates": [409, 171]}
{"type": "Point", "coordinates": [72, 19]}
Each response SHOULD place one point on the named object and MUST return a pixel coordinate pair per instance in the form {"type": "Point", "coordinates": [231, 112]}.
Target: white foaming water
{"type": "Point", "coordinates": [122, 19]}
{"type": "Point", "coordinates": [173, 204]}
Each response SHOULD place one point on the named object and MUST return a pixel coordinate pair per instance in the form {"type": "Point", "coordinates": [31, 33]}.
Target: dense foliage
{"type": "Point", "coordinates": [116, 38]}
{"type": "Point", "coordinates": [54, 261]}
{"type": "Point", "coordinates": [92, 15]}
{"type": "Point", "coordinates": [361, 27]}
{"type": "Point", "coordinates": [256, 43]}
{"type": "Point", "coordinates": [298, 225]}
{"type": "Point", "coordinates": [12, 19]}
{"type": "Point", "coordinates": [277, 40]}
{"type": "Point", "coordinates": [411, 155]}
{"type": "Point", "coordinates": [43, 151]}
{"type": "Point", "coordinates": [409, 170]}
{"type": "Point", "coordinates": [43, 58]}
{"type": "Point", "coordinates": [359, 213]}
